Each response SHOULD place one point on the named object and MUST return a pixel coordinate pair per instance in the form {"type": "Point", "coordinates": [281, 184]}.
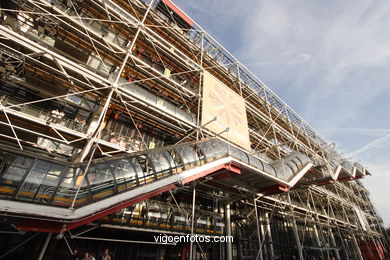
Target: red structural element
{"type": "Point", "coordinates": [38, 225]}
{"type": "Point", "coordinates": [371, 250]}
{"type": "Point", "coordinates": [274, 189]}
{"type": "Point", "coordinates": [57, 227]}
{"type": "Point", "coordinates": [346, 179]}
{"type": "Point", "coordinates": [228, 171]}
{"type": "Point", "coordinates": [310, 170]}
{"type": "Point", "coordinates": [325, 182]}
{"type": "Point", "coordinates": [204, 173]}
{"type": "Point", "coordinates": [233, 168]}
{"type": "Point", "coordinates": [185, 251]}
{"type": "Point", "coordinates": [174, 8]}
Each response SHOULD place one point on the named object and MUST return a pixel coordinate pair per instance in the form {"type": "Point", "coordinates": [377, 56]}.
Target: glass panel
{"type": "Point", "coordinates": [283, 168]}
{"type": "Point", "coordinates": [303, 158]}
{"type": "Point", "coordinates": [137, 215]}
{"type": "Point", "coordinates": [34, 179]}
{"type": "Point", "coordinates": [256, 163]}
{"type": "Point", "coordinates": [137, 168]}
{"type": "Point", "coordinates": [269, 169]}
{"type": "Point", "coordinates": [15, 167]}
{"type": "Point", "coordinates": [284, 171]}
{"type": "Point", "coordinates": [333, 165]}
{"type": "Point", "coordinates": [101, 179]}
{"type": "Point", "coordinates": [161, 163]}
{"type": "Point", "coordinates": [165, 214]}
{"type": "Point", "coordinates": [208, 151]}
{"type": "Point", "coordinates": [176, 160]}
{"type": "Point", "coordinates": [292, 165]}
{"type": "Point", "coordinates": [127, 213]}
{"type": "Point", "coordinates": [125, 174]}
{"type": "Point", "coordinates": [201, 223]}
{"type": "Point", "coordinates": [179, 221]}
{"type": "Point", "coordinates": [221, 148]}
{"type": "Point", "coordinates": [84, 193]}
{"type": "Point", "coordinates": [347, 165]}
{"type": "Point", "coordinates": [154, 215]}
{"type": "Point", "coordinates": [244, 157]}
{"type": "Point", "coordinates": [100, 173]}
{"type": "Point", "coordinates": [238, 154]}
{"type": "Point", "coordinates": [49, 183]}
{"type": "Point", "coordinates": [67, 188]}
{"type": "Point", "coordinates": [143, 214]}
{"type": "Point", "coordinates": [170, 159]}
{"type": "Point", "coordinates": [188, 155]}
{"type": "Point", "coordinates": [147, 174]}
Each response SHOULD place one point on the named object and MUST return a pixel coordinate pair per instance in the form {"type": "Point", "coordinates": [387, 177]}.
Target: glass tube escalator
{"type": "Point", "coordinates": [41, 181]}
{"type": "Point", "coordinates": [46, 182]}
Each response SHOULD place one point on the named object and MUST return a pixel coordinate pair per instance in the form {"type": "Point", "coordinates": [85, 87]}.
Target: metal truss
{"type": "Point", "coordinates": [126, 58]}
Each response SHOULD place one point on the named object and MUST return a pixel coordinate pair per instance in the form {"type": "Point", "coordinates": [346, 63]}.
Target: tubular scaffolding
{"type": "Point", "coordinates": [102, 128]}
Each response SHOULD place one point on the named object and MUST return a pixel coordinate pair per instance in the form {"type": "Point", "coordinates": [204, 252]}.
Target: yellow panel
{"type": "Point", "coordinates": [222, 102]}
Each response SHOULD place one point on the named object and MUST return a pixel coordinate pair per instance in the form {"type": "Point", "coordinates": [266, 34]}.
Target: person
{"type": "Point", "coordinates": [130, 77]}
{"type": "Point", "coordinates": [86, 256]}
{"type": "Point", "coordinates": [60, 116]}
{"type": "Point", "coordinates": [92, 256]}
{"type": "Point", "coordinates": [140, 52]}
{"type": "Point", "coordinates": [82, 125]}
{"type": "Point", "coordinates": [106, 255]}
{"type": "Point", "coordinates": [75, 255]}
{"type": "Point", "coordinates": [155, 61]}
{"type": "Point", "coordinates": [76, 122]}
{"type": "Point", "coordinates": [122, 142]}
{"type": "Point", "coordinates": [112, 138]}
{"type": "Point", "coordinates": [53, 116]}
{"type": "Point", "coordinates": [137, 145]}
{"type": "Point", "coordinates": [79, 124]}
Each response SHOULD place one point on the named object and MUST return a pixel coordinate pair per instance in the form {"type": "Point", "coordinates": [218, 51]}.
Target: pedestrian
{"type": "Point", "coordinates": [86, 256]}
{"type": "Point", "coordinates": [76, 123]}
{"type": "Point", "coordinates": [75, 254]}
{"type": "Point", "coordinates": [122, 142]}
{"type": "Point", "coordinates": [112, 138]}
{"type": "Point", "coordinates": [53, 116]}
{"type": "Point", "coordinates": [106, 255]}
{"type": "Point", "coordinates": [60, 116]}
{"type": "Point", "coordinates": [82, 125]}
{"type": "Point", "coordinates": [92, 256]}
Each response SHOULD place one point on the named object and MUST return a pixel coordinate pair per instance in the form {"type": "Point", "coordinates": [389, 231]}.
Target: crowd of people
{"type": "Point", "coordinates": [78, 255]}
{"type": "Point", "coordinates": [56, 116]}
{"type": "Point", "coordinates": [130, 143]}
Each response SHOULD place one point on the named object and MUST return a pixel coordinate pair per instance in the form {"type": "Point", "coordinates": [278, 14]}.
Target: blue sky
{"type": "Point", "coordinates": [329, 60]}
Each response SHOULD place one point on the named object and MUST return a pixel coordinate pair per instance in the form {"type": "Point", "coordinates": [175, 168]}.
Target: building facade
{"type": "Point", "coordinates": [124, 119]}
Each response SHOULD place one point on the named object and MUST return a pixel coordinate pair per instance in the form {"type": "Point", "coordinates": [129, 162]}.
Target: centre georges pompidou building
{"type": "Point", "coordinates": [123, 119]}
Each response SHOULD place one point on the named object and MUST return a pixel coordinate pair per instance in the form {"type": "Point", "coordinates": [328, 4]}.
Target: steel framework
{"type": "Point", "coordinates": [86, 82]}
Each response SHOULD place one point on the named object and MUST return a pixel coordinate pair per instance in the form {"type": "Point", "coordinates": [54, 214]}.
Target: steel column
{"type": "Point", "coordinates": [44, 246]}
{"type": "Point", "coordinates": [228, 232]}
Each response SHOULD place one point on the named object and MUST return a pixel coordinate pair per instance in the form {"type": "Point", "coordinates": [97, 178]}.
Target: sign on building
{"type": "Point", "coordinates": [228, 107]}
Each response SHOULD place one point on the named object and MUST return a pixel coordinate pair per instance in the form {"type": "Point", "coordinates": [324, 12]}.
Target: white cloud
{"type": "Point", "coordinates": [365, 131]}
{"type": "Point", "coordinates": [301, 58]}
{"type": "Point", "coordinates": [344, 85]}
{"type": "Point", "coordinates": [374, 145]}
{"type": "Point", "coordinates": [378, 187]}
{"type": "Point", "coordinates": [341, 38]}
{"type": "Point", "coordinates": [329, 59]}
